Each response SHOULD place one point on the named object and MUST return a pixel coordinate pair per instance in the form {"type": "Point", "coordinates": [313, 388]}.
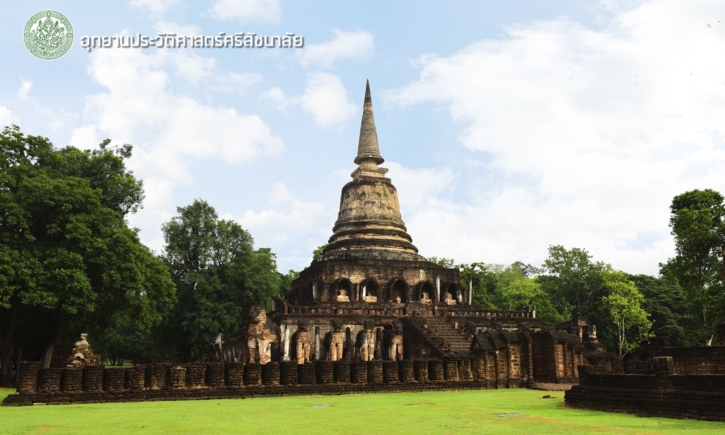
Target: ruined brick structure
{"type": "Point", "coordinates": [685, 382]}
{"type": "Point", "coordinates": [370, 314]}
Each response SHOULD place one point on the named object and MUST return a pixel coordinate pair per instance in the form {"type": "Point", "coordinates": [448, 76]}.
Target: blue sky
{"type": "Point", "coordinates": [507, 126]}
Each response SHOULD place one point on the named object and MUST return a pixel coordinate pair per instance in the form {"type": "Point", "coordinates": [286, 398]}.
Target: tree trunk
{"type": "Point", "coordinates": [48, 355]}
{"type": "Point", "coordinates": [704, 315]}
{"type": "Point", "coordinates": [9, 342]}
{"type": "Point", "coordinates": [723, 263]}
{"type": "Point", "coordinates": [18, 360]}
{"type": "Point", "coordinates": [7, 358]}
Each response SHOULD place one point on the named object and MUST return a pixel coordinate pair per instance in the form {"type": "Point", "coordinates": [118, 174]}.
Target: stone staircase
{"type": "Point", "coordinates": [444, 337]}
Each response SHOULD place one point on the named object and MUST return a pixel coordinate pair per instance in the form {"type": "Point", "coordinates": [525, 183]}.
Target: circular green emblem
{"type": "Point", "coordinates": [48, 35]}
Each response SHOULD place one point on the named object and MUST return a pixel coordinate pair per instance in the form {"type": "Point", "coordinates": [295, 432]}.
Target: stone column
{"type": "Point", "coordinates": [470, 290]}
{"type": "Point", "coordinates": [664, 368]}
{"type": "Point", "coordinates": [349, 344]}
{"type": "Point", "coordinates": [314, 291]}
{"type": "Point", "coordinates": [285, 358]}
{"type": "Point", "coordinates": [317, 343]}
{"type": "Point", "coordinates": [378, 344]}
{"type": "Point", "coordinates": [438, 288]}
{"type": "Point", "coordinates": [364, 288]}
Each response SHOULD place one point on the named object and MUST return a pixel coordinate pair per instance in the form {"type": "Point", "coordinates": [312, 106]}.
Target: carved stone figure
{"type": "Point", "coordinates": [425, 299]}
{"type": "Point", "coordinates": [393, 341]}
{"type": "Point", "coordinates": [261, 334]}
{"type": "Point", "coordinates": [82, 355]}
{"type": "Point", "coordinates": [449, 299]}
{"type": "Point", "coordinates": [398, 300]}
{"type": "Point", "coordinates": [366, 341]}
{"type": "Point", "coordinates": [216, 348]}
{"type": "Point", "coordinates": [302, 342]}
{"type": "Point", "coordinates": [370, 299]}
{"type": "Point", "coordinates": [336, 342]}
{"type": "Point", "coordinates": [221, 350]}
{"type": "Point", "coordinates": [343, 297]}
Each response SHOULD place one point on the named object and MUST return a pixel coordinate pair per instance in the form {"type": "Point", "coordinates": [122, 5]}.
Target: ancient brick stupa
{"type": "Point", "coordinates": [371, 286]}
{"type": "Point", "coordinates": [369, 223]}
{"type": "Point", "coordinates": [370, 258]}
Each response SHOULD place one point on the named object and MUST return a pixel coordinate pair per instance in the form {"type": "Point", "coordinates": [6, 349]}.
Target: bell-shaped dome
{"type": "Point", "coordinates": [369, 223]}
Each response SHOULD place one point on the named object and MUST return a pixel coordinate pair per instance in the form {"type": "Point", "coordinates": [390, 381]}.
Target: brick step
{"type": "Point", "coordinates": [444, 336]}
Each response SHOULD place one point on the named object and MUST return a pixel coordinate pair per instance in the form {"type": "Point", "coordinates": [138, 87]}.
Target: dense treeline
{"type": "Point", "coordinates": [69, 263]}
{"type": "Point", "coordinates": [686, 302]}
{"type": "Point", "coordinates": [68, 260]}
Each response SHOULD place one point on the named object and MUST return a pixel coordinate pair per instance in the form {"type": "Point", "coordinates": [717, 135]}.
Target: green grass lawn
{"type": "Point", "coordinates": [419, 413]}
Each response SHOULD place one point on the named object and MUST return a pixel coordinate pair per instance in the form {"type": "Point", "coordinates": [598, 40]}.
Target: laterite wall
{"type": "Point", "coordinates": [219, 380]}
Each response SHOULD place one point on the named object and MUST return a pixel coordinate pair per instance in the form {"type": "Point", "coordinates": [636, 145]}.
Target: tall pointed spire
{"type": "Point", "coordinates": [369, 224]}
{"type": "Point", "coordinates": [367, 147]}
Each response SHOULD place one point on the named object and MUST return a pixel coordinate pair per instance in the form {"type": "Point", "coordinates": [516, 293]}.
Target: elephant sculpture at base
{"type": "Point", "coordinates": [302, 342]}
{"type": "Point", "coordinates": [366, 341]}
{"type": "Point", "coordinates": [335, 341]}
{"type": "Point", "coordinates": [261, 336]}
{"type": "Point", "coordinates": [393, 341]}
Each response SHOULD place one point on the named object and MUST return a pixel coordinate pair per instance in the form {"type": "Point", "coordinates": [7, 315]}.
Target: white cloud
{"type": "Point", "coordinates": [167, 129]}
{"type": "Point", "coordinates": [280, 193]}
{"type": "Point", "coordinates": [154, 6]}
{"type": "Point", "coordinates": [237, 82]}
{"type": "Point", "coordinates": [24, 88]}
{"type": "Point", "coordinates": [246, 10]}
{"type": "Point", "coordinates": [346, 45]}
{"type": "Point", "coordinates": [190, 66]}
{"type": "Point", "coordinates": [85, 137]}
{"type": "Point", "coordinates": [7, 117]}
{"type": "Point", "coordinates": [326, 99]}
{"type": "Point", "coordinates": [56, 119]}
{"type": "Point", "coordinates": [417, 186]}
{"type": "Point", "coordinates": [290, 223]}
{"type": "Point", "coordinates": [588, 134]}
{"type": "Point", "coordinates": [276, 97]}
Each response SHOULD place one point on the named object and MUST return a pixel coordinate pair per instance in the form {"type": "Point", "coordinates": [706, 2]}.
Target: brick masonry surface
{"type": "Point", "coordinates": [661, 393]}
{"type": "Point", "coordinates": [156, 382]}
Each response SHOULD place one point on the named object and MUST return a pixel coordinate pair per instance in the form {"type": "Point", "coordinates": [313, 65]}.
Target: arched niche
{"type": "Point", "coordinates": [342, 287]}
{"type": "Point", "coordinates": [397, 288]}
{"type": "Point", "coordinates": [452, 292]}
{"type": "Point", "coordinates": [424, 287]}
{"type": "Point", "coordinates": [369, 287]}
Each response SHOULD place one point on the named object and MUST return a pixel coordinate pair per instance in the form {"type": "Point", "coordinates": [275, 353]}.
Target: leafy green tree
{"type": "Point", "coordinates": [122, 339]}
{"type": "Point", "coordinates": [317, 253]}
{"type": "Point", "coordinates": [623, 303]}
{"type": "Point", "coordinates": [219, 276]}
{"type": "Point", "coordinates": [484, 282]}
{"type": "Point", "coordinates": [443, 261]}
{"type": "Point", "coordinates": [698, 224]}
{"type": "Point", "coordinates": [666, 302]}
{"type": "Point", "coordinates": [519, 291]}
{"type": "Point", "coordinates": [68, 260]}
{"type": "Point", "coordinates": [572, 280]}
{"type": "Point", "coordinates": [285, 283]}
{"type": "Point", "coordinates": [498, 287]}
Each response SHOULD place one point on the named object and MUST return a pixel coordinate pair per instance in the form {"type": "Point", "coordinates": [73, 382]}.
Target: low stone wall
{"type": "Point", "coordinates": [662, 394]}
{"type": "Point", "coordinates": [697, 360]}
{"type": "Point", "coordinates": [234, 393]}
{"type": "Point", "coordinates": [235, 380]}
